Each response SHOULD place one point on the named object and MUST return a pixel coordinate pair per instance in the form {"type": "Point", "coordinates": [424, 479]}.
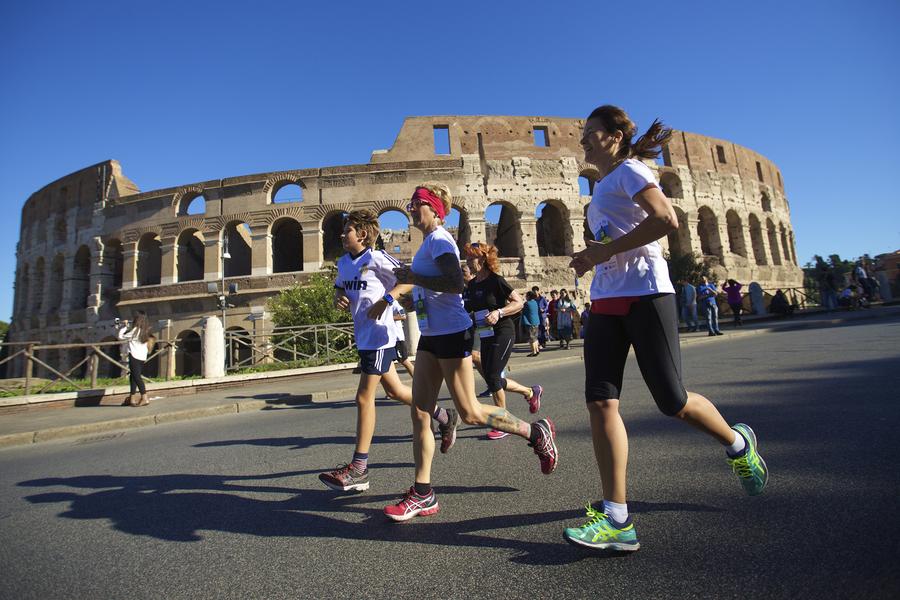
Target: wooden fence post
{"type": "Point", "coordinates": [29, 366]}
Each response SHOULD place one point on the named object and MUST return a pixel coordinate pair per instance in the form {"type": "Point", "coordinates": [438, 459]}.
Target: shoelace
{"type": "Point", "coordinates": [741, 467]}
{"type": "Point", "coordinates": [594, 516]}
{"type": "Point", "coordinates": [543, 445]}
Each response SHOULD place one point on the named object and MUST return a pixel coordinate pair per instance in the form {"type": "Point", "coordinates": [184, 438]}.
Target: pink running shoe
{"type": "Point", "coordinates": [545, 446]}
{"type": "Point", "coordinates": [534, 403]}
{"type": "Point", "coordinates": [496, 434]}
{"type": "Point", "coordinates": [412, 505]}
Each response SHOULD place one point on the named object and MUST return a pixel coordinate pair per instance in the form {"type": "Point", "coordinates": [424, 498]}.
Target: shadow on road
{"type": "Point", "coordinates": [299, 442]}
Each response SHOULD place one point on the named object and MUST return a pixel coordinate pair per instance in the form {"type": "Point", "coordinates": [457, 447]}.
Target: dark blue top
{"type": "Point", "coordinates": [530, 314]}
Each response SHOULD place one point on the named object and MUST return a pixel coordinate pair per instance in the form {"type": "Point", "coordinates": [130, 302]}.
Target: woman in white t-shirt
{"type": "Point", "coordinates": [633, 304]}
{"type": "Point", "coordinates": [444, 354]}
{"type": "Point", "coordinates": [138, 335]}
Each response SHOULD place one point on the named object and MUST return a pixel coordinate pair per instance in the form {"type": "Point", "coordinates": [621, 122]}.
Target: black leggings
{"type": "Point", "coordinates": [652, 328]}
{"type": "Point", "coordinates": [495, 351]}
{"type": "Point", "coordinates": [134, 377]}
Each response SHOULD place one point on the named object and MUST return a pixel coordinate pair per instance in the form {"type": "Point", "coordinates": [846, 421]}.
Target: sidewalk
{"type": "Point", "coordinates": [332, 386]}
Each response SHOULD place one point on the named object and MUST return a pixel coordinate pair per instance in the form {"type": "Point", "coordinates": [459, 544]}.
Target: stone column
{"type": "Point", "coordinates": [169, 259]}
{"type": "Point", "coordinates": [167, 358]}
{"type": "Point", "coordinates": [213, 348]}
{"type": "Point", "coordinates": [312, 245]}
{"type": "Point", "coordinates": [212, 259]}
{"type": "Point", "coordinates": [99, 279]}
{"type": "Point", "coordinates": [129, 265]}
{"type": "Point", "coordinates": [531, 260]}
{"type": "Point", "coordinates": [262, 332]}
{"type": "Point", "coordinates": [261, 254]}
{"type": "Point", "coordinates": [477, 227]}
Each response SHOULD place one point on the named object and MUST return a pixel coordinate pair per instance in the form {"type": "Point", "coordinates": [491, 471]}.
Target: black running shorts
{"type": "Point", "coordinates": [450, 345]}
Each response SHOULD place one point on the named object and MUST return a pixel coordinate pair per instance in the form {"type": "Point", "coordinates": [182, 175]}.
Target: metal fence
{"type": "Point", "coordinates": [323, 342]}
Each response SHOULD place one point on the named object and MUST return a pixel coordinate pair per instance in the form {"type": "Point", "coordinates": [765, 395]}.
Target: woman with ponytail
{"type": "Point", "coordinates": [633, 304]}
{"type": "Point", "coordinates": [139, 337]}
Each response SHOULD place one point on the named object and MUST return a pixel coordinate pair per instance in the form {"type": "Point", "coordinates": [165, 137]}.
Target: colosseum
{"type": "Point", "coordinates": [93, 246]}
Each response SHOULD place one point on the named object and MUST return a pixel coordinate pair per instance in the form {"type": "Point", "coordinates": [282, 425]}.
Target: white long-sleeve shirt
{"type": "Point", "coordinates": [136, 347]}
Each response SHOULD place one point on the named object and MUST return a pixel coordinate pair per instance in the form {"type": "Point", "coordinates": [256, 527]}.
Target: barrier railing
{"type": "Point", "coordinates": [288, 344]}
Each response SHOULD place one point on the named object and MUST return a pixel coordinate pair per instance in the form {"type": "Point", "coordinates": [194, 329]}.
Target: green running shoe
{"type": "Point", "coordinates": [749, 466]}
{"type": "Point", "coordinates": [601, 534]}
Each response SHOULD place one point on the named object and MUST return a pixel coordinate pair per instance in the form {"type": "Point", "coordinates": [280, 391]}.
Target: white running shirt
{"type": "Point", "coordinates": [365, 279]}
{"type": "Point", "coordinates": [446, 313]}
{"type": "Point", "coordinates": [613, 212]}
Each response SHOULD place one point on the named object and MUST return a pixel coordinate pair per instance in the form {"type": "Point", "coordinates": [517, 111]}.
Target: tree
{"type": "Point", "coordinates": [308, 304]}
{"type": "Point", "coordinates": [687, 267]}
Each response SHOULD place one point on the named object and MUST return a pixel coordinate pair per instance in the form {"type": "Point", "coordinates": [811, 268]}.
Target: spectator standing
{"type": "Point", "coordinates": [735, 300]}
{"type": "Point", "coordinates": [707, 292]}
{"type": "Point", "coordinates": [551, 315]}
{"type": "Point", "coordinates": [689, 305]}
{"type": "Point", "coordinates": [531, 321]}
{"type": "Point", "coordinates": [565, 313]}
{"type": "Point", "coordinates": [543, 306]}
{"type": "Point", "coordinates": [140, 338]}
{"type": "Point", "coordinates": [585, 315]}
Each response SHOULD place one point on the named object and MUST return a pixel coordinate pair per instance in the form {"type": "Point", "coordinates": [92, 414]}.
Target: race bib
{"type": "Point", "coordinates": [602, 236]}
{"type": "Point", "coordinates": [420, 307]}
{"type": "Point", "coordinates": [483, 329]}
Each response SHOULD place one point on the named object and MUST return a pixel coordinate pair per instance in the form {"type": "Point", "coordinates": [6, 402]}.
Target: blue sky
{"type": "Point", "coordinates": [185, 91]}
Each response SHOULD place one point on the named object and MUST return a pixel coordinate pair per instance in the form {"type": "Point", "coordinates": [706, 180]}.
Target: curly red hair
{"type": "Point", "coordinates": [485, 252]}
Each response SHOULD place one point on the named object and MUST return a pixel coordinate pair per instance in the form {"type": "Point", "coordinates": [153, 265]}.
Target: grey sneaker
{"type": "Point", "coordinates": [448, 431]}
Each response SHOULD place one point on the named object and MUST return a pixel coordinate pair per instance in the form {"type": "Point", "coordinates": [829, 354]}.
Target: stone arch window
{"type": "Point", "coordinates": [671, 186]}
{"type": "Point", "coordinates": [332, 228]}
{"type": "Point", "coordinates": [766, 202]}
{"type": "Point", "coordinates": [756, 239]}
{"type": "Point", "coordinates": [237, 240]}
{"type": "Point", "coordinates": [81, 278]}
{"type": "Point", "coordinates": [773, 242]}
{"type": "Point", "coordinates": [59, 231]}
{"type": "Point", "coordinates": [785, 249]}
{"type": "Point", "coordinates": [502, 229]}
{"type": "Point", "coordinates": [192, 205]}
{"type": "Point", "coordinates": [188, 353]}
{"type": "Point", "coordinates": [457, 224]}
{"type": "Point", "coordinates": [680, 239]}
{"type": "Point", "coordinates": [149, 259]}
{"type": "Point", "coordinates": [736, 243]}
{"type": "Point", "coordinates": [189, 264]}
{"type": "Point", "coordinates": [395, 237]}
{"type": "Point", "coordinates": [287, 192]}
{"type": "Point", "coordinates": [38, 300]}
{"type": "Point", "coordinates": [708, 232]}
{"type": "Point", "coordinates": [553, 229]}
{"type": "Point", "coordinates": [287, 246]}
{"type": "Point", "coordinates": [57, 274]}
{"type": "Point", "coordinates": [114, 260]}
{"type": "Point", "coordinates": [239, 348]}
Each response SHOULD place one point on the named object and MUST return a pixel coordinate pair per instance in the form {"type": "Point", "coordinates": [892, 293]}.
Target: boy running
{"type": "Point", "coordinates": [366, 286]}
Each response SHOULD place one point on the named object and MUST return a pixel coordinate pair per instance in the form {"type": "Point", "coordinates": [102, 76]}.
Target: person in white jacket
{"type": "Point", "coordinates": [138, 335]}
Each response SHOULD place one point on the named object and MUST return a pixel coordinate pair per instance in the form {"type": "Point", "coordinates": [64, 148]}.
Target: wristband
{"type": "Point", "coordinates": [388, 298]}
{"type": "Point", "coordinates": [500, 310]}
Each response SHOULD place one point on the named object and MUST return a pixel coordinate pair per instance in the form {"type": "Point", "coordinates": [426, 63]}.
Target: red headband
{"type": "Point", "coordinates": [426, 196]}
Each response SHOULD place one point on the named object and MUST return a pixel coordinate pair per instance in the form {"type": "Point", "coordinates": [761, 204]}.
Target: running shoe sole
{"type": "Point", "coordinates": [617, 546]}
{"type": "Point", "coordinates": [419, 512]}
{"type": "Point", "coordinates": [354, 487]}
{"type": "Point", "coordinates": [534, 404]}
{"type": "Point", "coordinates": [552, 428]}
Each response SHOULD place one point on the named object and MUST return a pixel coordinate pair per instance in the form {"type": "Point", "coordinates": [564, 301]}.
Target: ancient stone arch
{"type": "Point", "coordinates": [190, 255]}
{"type": "Point", "coordinates": [756, 240]}
{"type": "Point", "coordinates": [680, 239]}
{"type": "Point", "coordinates": [149, 259]}
{"type": "Point", "coordinates": [287, 245]}
{"type": "Point", "coordinates": [736, 243]}
{"type": "Point", "coordinates": [773, 242]}
{"type": "Point", "coordinates": [708, 232]}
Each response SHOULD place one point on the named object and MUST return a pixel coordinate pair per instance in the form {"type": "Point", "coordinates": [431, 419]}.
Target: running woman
{"type": "Point", "coordinates": [492, 302]}
{"type": "Point", "coordinates": [633, 304]}
{"type": "Point", "coordinates": [366, 286]}
{"type": "Point", "coordinates": [444, 354]}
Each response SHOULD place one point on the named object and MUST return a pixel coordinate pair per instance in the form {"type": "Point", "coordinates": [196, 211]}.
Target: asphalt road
{"type": "Point", "coordinates": [230, 507]}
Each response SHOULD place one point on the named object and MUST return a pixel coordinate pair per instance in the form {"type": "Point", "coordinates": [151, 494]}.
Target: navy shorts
{"type": "Point", "coordinates": [376, 362]}
{"type": "Point", "coordinates": [451, 345]}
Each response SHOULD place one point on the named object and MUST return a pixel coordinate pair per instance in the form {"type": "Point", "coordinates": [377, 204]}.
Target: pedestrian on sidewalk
{"type": "Point", "coordinates": [140, 339]}
{"type": "Point", "coordinates": [565, 313]}
{"type": "Point", "coordinates": [707, 292]}
{"type": "Point", "coordinates": [531, 321]}
{"type": "Point", "coordinates": [633, 304]}
{"type": "Point", "coordinates": [689, 305]}
{"type": "Point", "coordinates": [735, 300]}
{"type": "Point", "coordinates": [543, 306]}
{"type": "Point", "coordinates": [492, 302]}
{"type": "Point", "coordinates": [444, 354]}
{"type": "Point", "coordinates": [366, 286]}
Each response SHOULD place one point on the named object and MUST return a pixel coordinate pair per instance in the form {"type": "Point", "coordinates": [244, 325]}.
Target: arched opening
{"type": "Point", "coordinates": [395, 237]}
{"type": "Point", "coordinates": [773, 242]}
{"type": "Point", "coordinates": [57, 274]}
{"type": "Point", "coordinates": [332, 228]}
{"type": "Point", "coordinates": [149, 259]}
{"type": "Point", "coordinates": [114, 351]}
{"type": "Point", "coordinates": [289, 192]}
{"type": "Point", "coordinates": [287, 246]}
{"type": "Point", "coordinates": [671, 186]}
{"type": "Point", "coordinates": [81, 278]}
{"type": "Point", "coordinates": [59, 231]}
{"type": "Point", "coordinates": [553, 229]}
{"type": "Point", "coordinates": [586, 180]}
{"type": "Point", "coordinates": [708, 232]}
{"type": "Point", "coordinates": [187, 355]}
{"type": "Point", "coordinates": [37, 300]}
{"type": "Point", "coordinates": [238, 244]}
{"type": "Point", "coordinates": [766, 202]}
{"type": "Point", "coordinates": [680, 239]}
{"type": "Point", "coordinates": [756, 238]}
{"type": "Point", "coordinates": [502, 229]}
{"type": "Point", "coordinates": [785, 247]}
{"type": "Point", "coordinates": [114, 261]}
{"type": "Point", "coordinates": [240, 348]}
{"type": "Point", "coordinates": [457, 224]}
{"type": "Point", "coordinates": [195, 205]}
{"type": "Point", "coordinates": [189, 258]}
{"type": "Point", "coordinates": [735, 234]}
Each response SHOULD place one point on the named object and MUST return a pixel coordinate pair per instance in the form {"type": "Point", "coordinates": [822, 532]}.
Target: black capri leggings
{"type": "Point", "coordinates": [495, 351]}
{"type": "Point", "coordinates": [135, 367]}
{"type": "Point", "coordinates": [652, 328]}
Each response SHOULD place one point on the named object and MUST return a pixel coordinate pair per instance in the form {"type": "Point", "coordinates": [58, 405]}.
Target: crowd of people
{"type": "Point", "coordinates": [632, 305]}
